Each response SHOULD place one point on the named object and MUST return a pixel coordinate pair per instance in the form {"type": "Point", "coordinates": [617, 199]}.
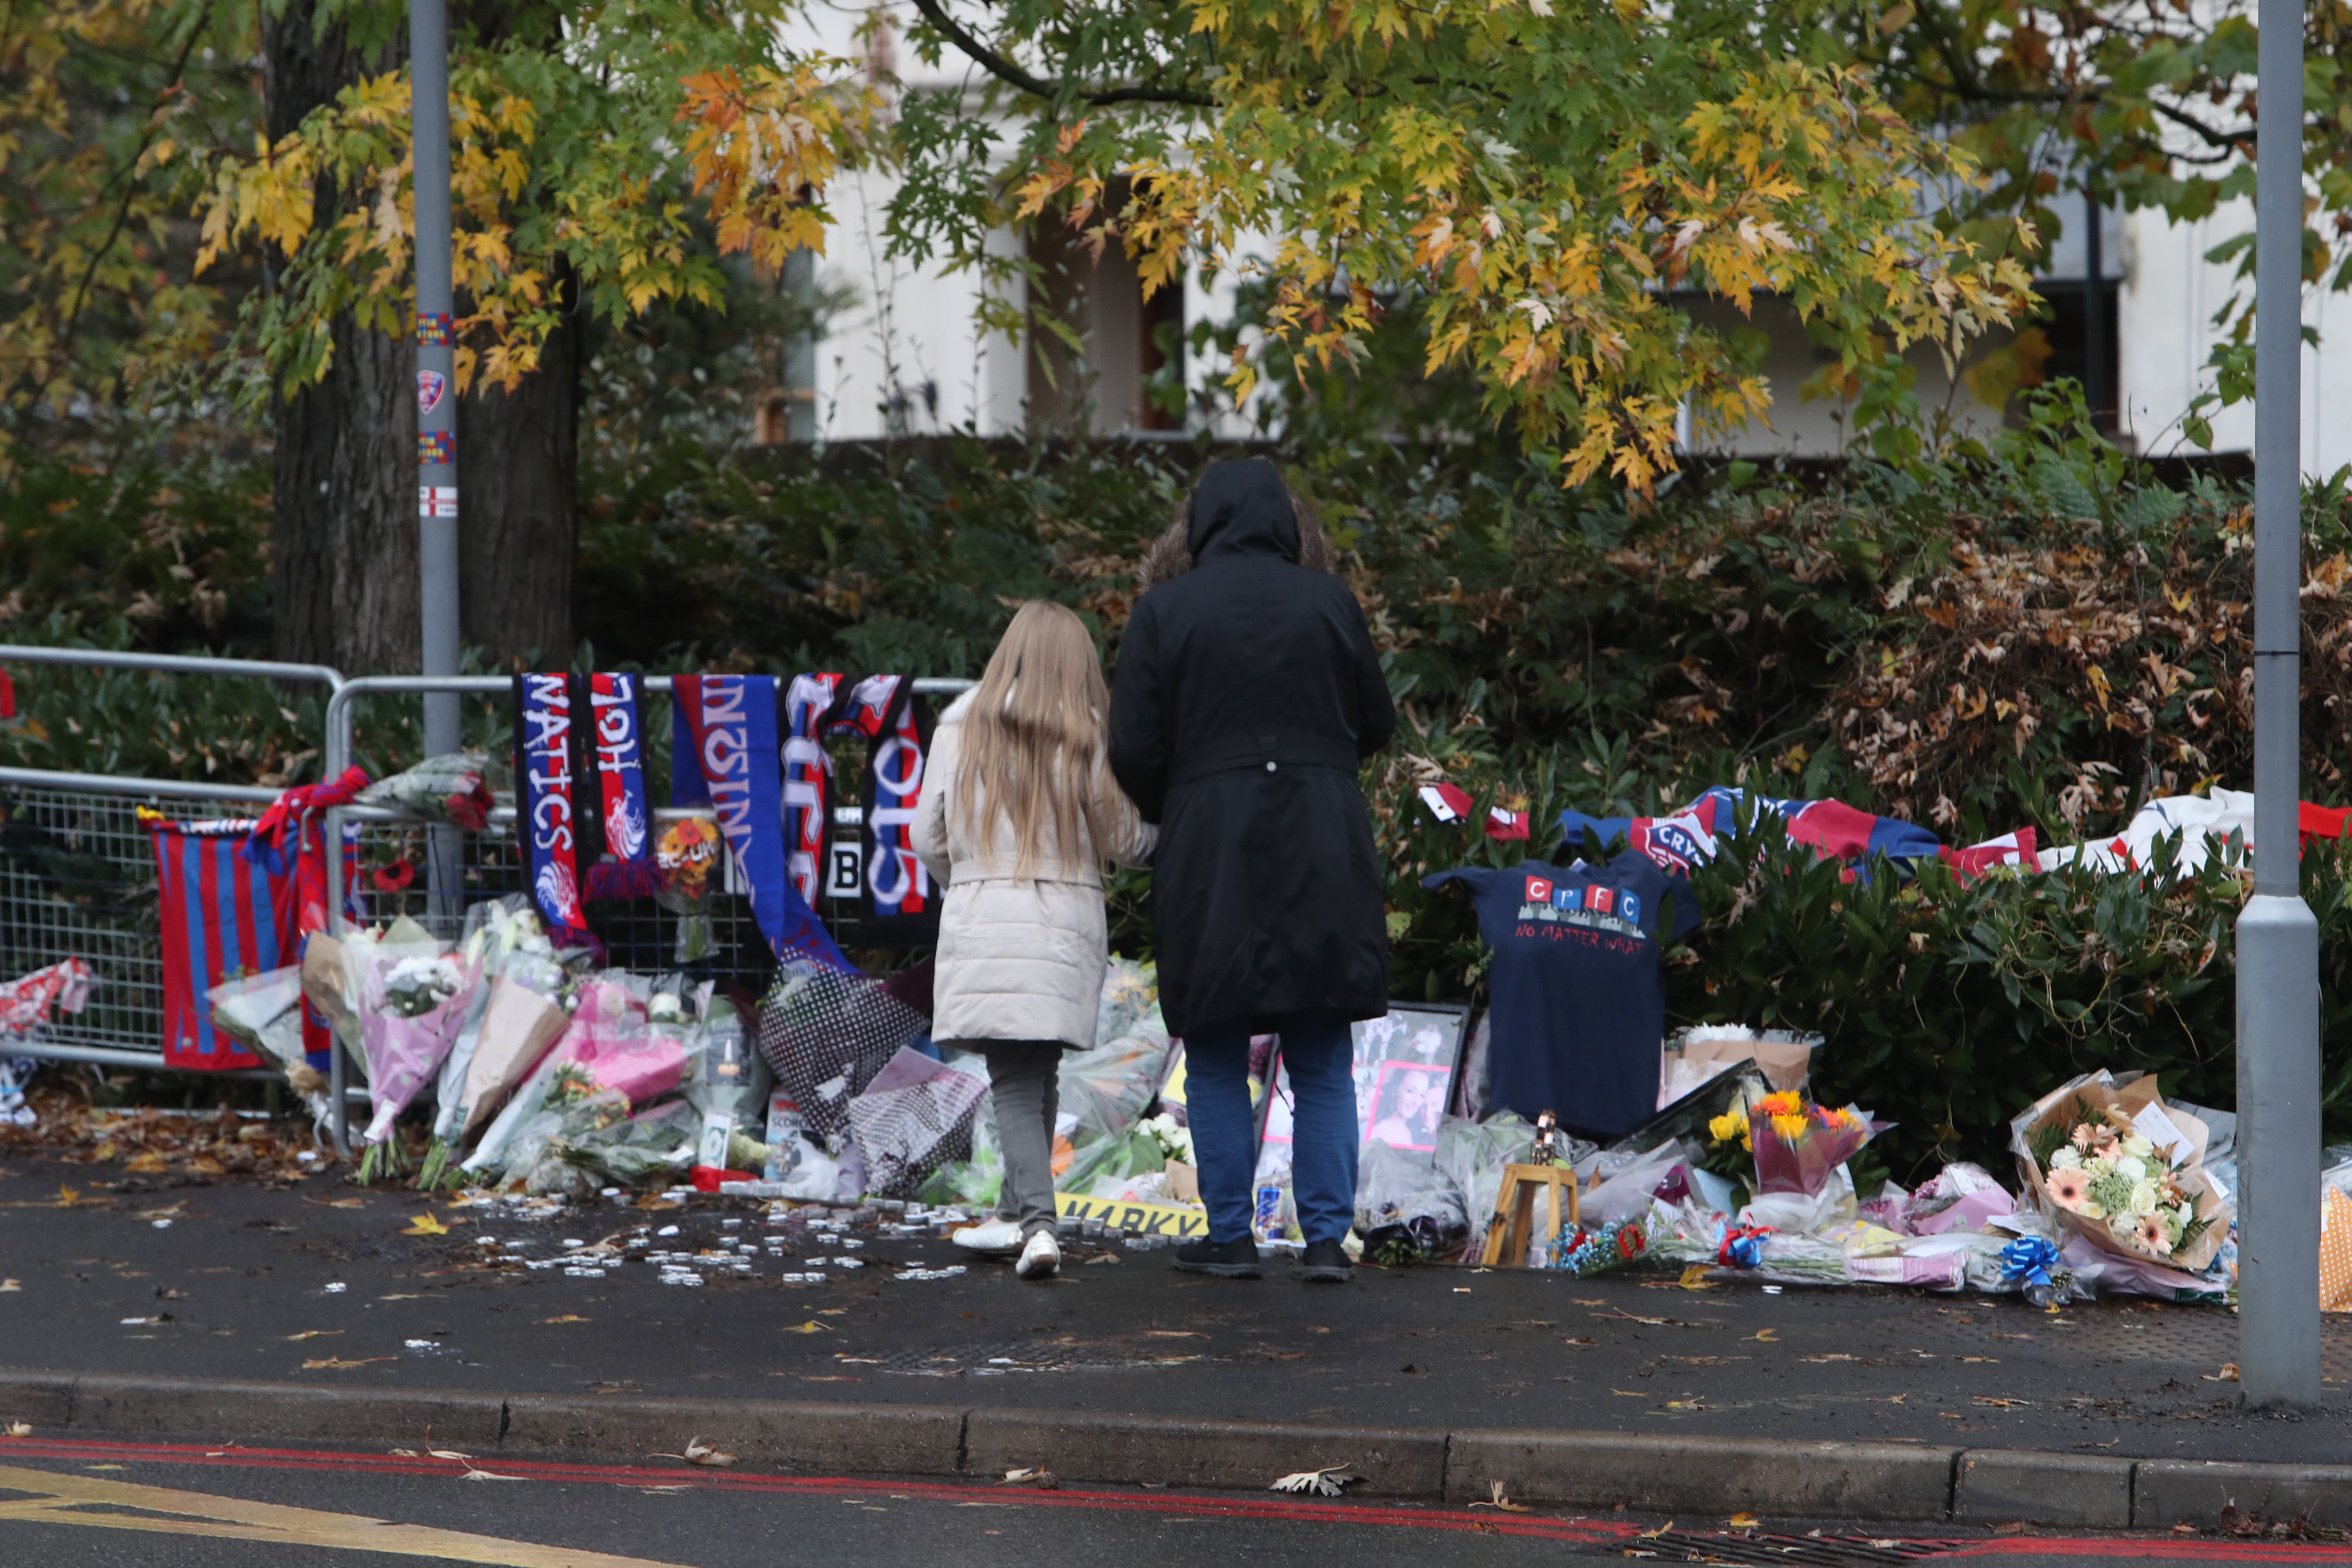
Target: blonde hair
{"type": "Point", "coordinates": [1033, 740]}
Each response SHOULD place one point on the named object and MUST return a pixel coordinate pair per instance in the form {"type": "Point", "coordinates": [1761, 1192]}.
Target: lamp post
{"type": "Point", "coordinates": [436, 408]}
{"type": "Point", "coordinates": [2278, 936]}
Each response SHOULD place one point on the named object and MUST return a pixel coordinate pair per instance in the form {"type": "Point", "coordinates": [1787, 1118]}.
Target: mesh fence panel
{"type": "Point", "coordinates": [77, 880]}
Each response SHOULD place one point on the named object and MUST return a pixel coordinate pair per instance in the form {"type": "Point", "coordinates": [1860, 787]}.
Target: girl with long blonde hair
{"type": "Point", "coordinates": [1019, 813]}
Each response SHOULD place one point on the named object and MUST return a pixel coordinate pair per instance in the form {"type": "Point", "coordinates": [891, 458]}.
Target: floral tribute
{"type": "Point", "coordinates": [1794, 1144]}
{"type": "Point", "coordinates": [2112, 1164]}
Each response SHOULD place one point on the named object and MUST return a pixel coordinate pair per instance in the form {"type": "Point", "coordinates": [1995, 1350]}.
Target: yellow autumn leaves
{"type": "Point", "coordinates": [549, 176]}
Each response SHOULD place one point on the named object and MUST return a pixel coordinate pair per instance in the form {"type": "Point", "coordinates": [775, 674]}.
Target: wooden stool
{"type": "Point", "coordinates": [1512, 1229]}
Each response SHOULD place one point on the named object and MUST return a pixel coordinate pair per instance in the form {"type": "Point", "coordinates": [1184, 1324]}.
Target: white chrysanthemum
{"type": "Point", "coordinates": [2137, 1144]}
{"type": "Point", "coordinates": [2132, 1167]}
{"type": "Point", "coordinates": [2066, 1160]}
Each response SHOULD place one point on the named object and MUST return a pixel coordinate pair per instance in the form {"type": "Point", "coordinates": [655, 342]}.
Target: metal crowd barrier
{"type": "Point", "coordinates": [78, 871]}
{"type": "Point", "coordinates": [81, 882]}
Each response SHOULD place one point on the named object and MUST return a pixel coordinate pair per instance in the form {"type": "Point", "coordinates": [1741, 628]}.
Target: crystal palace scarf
{"type": "Point", "coordinates": [808, 779]}
{"type": "Point", "coordinates": [897, 726]}
{"type": "Point", "coordinates": [557, 836]}
{"type": "Point", "coordinates": [629, 871]}
{"type": "Point", "coordinates": [730, 758]}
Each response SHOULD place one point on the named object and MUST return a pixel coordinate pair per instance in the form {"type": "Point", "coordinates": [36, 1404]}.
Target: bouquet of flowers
{"type": "Point", "coordinates": [1613, 1245]}
{"type": "Point", "coordinates": [455, 789]}
{"type": "Point", "coordinates": [1799, 1144]}
{"type": "Point", "coordinates": [688, 852]}
{"type": "Point", "coordinates": [411, 1007]}
{"type": "Point", "coordinates": [2111, 1162]}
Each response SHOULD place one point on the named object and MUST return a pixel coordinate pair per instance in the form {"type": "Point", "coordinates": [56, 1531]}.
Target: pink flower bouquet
{"type": "Point", "coordinates": [1799, 1144]}
{"type": "Point", "coordinates": [411, 1009]}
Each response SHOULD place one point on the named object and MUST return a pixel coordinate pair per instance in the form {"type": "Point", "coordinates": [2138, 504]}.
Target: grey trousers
{"type": "Point", "coordinates": [1024, 1077]}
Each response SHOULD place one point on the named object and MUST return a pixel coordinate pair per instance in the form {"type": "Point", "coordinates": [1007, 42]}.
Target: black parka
{"type": "Point", "coordinates": [1247, 695]}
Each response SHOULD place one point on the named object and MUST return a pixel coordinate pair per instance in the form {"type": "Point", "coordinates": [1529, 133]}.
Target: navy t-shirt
{"type": "Point", "coordinates": [1578, 1014]}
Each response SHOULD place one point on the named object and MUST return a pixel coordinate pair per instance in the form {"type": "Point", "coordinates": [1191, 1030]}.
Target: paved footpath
{"type": "Point", "coordinates": [322, 1314]}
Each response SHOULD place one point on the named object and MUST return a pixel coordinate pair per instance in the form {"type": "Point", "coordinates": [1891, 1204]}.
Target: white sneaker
{"type": "Point", "coordinates": [1042, 1258]}
{"type": "Point", "coordinates": [990, 1236]}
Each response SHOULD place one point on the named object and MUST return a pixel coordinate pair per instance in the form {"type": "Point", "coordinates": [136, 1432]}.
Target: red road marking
{"type": "Point", "coordinates": [1286, 1509]}
{"type": "Point", "coordinates": [1584, 1530]}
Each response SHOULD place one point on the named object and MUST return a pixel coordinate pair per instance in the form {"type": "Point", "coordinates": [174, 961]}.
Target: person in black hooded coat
{"type": "Point", "coordinates": [1247, 695]}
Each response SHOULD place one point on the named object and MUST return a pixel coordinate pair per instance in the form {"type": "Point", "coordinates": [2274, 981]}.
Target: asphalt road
{"type": "Point", "coordinates": [157, 1505]}
{"type": "Point", "coordinates": [326, 1284]}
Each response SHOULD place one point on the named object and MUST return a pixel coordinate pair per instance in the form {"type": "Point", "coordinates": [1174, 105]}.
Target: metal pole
{"type": "Point", "coordinates": [2095, 315]}
{"type": "Point", "coordinates": [436, 410]}
{"type": "Point", "coordinates": [2278, 939]}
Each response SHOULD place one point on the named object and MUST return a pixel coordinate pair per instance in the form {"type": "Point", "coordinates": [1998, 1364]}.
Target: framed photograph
{"type": "Point", "coordinates": [1408, 1099]}
{"type": "Point", "coordinates": [1405, 1068]}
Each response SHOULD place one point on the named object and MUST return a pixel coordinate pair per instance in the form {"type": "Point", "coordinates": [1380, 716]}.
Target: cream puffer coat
{"type": "Point", "coordinates": [1019, 958]}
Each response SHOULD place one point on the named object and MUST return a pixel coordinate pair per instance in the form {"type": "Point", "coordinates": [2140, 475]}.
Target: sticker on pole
{"type": "Point", "coordinates": [430, 385]}
{"type": "Point", "coordinates": [436, 501]}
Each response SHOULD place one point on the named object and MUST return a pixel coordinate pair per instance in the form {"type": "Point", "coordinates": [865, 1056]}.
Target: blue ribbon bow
{"type": "Point", "coordinates": [2029, 1259]}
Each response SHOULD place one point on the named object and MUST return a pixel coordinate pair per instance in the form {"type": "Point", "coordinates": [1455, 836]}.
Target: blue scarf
{"type": "Point", "coordinates": [557, 836]}
{"type": "Point", "coordinates": [729, 760]}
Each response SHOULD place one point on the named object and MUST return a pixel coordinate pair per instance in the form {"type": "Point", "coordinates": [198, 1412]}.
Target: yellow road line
{"type": "Point", "coordinates": [60, 1499]}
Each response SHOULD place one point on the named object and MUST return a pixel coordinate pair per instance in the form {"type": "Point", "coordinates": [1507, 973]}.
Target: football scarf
{"type": "Point", "coordinates": [290, 840]}
{"type": "Point", "coordinates": [628, 870]}
{"type": "Point", "coordinates": [557, 837]}
{"type": "Point", "coordinates": [808, 780]}
{"type": "Point", "coordinates": [728, 728]}
{"type": "Point", "coordinates": [896, 725]}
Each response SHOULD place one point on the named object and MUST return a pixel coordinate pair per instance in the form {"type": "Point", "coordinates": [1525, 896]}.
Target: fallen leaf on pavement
{"type": "Point", "coordinates": [811, 1326]}
{"type": "Point", "coordinates": [314, 1334]}
{"type": "Point", "coordinates": [330, 1364]}
{"type": "Point", "coordinates": [1586, 1340]}
{"type": "Point", "coordinates": [1326, 1482]}
{"type": "Point", "coordinates": [2229, 1373]}
{"type": "Point", "coordinates": [833, 1312]}
{"type": "Point", "coordinates": [403, 1453]}
{"type": "Point", "coordinates": [1595, 1301]}
{"type": "Point", "coordinates": [9, 1285]}
{"type": "Point", "coordinates": [1636, 1318]}
{"type": "Point", "coordinates": [1655, 1534]}
{"type": "Point", "coordinates": [1032, 1476]}
{"type": "Point", "coordinates": [1496, 1499]}
{"type": "Point", "coordinates": [20, 1428]}
{"type": "Point", "coordinates": [1768, 1336]}
{"type": "Point", "coordinates": [69, 1196]}
{"type": "Point", "coordinates": [146, 1165]}
{"type": "Point", "coordinates": [1685, 1405]}
{"type": "Point", "coordinates": [486, 1475]}
{"type": "Point", "coordinates": [337, 1203]}
{"type": "Point", "coordinates": [2005, 1404]}
{"type": "Point", "coordinates": [1834, 1355]}
{"type": "Point", "coordinates": [426, 1225]}
{"type": "Point", "coordinates": [699, 1452]}
{"type": "Point", "coordinates": [566, 1318]}
{"type": "Point", "coordinates": [1743, 1521]}
{"type": "Point", "coordinates": [1694, 1278]}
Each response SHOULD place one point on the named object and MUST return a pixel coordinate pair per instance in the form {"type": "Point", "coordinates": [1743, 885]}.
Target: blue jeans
{"type": "Point", "coordinates": [1319, 1057]}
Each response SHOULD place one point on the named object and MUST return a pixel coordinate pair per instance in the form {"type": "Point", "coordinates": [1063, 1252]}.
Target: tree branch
{"type": "Point", "coordinates": [1005, 71]}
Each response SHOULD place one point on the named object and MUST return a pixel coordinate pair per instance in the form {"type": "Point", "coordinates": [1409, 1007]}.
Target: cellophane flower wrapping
{"type": "Point", "coordinates": [1799, 1144]}
{"type": "Point", "coordinates": [614, 1041]}
{"type": "Point", "coordinates": [455, 789]}
{"type": "Point", "coordinates": [411, 1009]}
{"type": "Point", "coordinates": [2105, 1159]}
{"type": "Point", "coordinates": [498, 932]}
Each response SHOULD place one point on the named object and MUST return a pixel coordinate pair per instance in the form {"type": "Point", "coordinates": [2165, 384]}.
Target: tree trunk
{"type": "Point", "coordinates": [519, 467]}
{"type": "Point", "coordinates": [344, 542]}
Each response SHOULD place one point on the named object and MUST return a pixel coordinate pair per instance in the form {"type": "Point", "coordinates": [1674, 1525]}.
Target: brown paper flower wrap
{"type": "Point", "coordinates": [2110, 1161]}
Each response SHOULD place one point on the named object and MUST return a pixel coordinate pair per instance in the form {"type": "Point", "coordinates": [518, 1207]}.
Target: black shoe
{"type": "Point", "coordinates": [1327, 1263]}
{"type": "Point", "coordinates": [1235, 1260]}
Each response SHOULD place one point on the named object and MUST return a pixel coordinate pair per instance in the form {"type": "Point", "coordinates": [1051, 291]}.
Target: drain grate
{"type": "Point", "coordinates": [1819, 1551]}
{"type": "Point", "coordinates": [1017, 1356]}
